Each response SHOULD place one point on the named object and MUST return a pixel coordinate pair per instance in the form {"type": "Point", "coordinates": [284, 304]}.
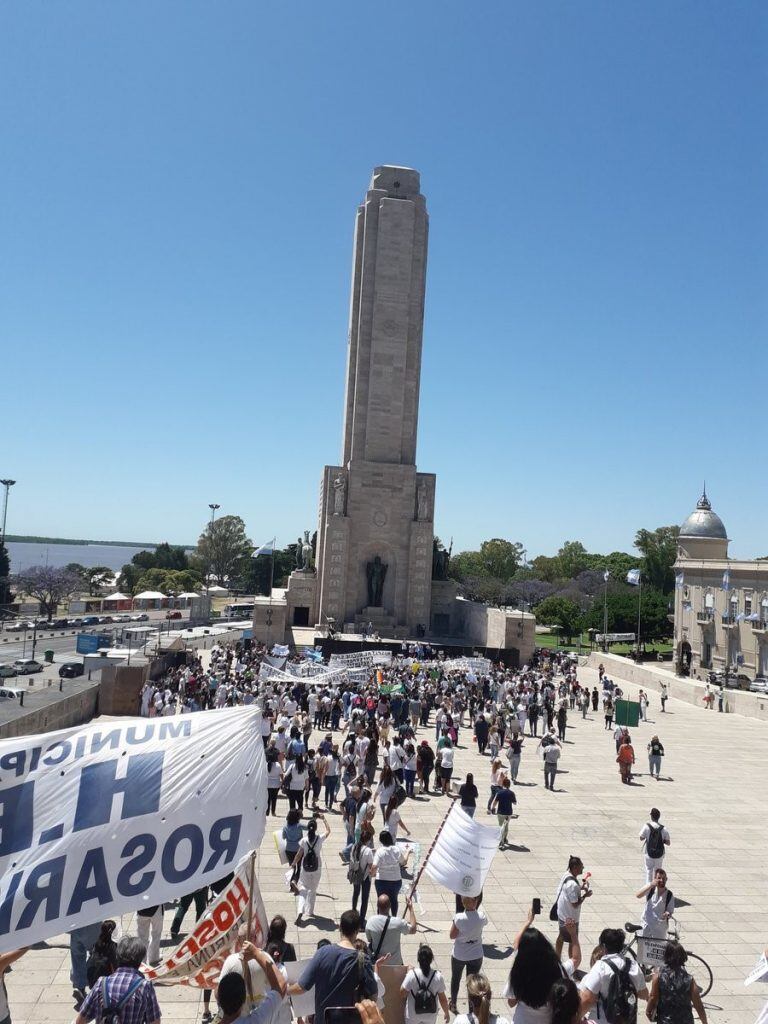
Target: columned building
{"type": "Point", "coordinates": [721, 604]}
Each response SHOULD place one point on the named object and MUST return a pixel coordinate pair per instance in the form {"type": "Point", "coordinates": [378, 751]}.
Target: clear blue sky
{"type": "Point", "coordinates": [179, 183]}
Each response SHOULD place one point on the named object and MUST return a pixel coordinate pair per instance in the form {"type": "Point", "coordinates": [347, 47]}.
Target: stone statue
{"type": "Point", "coordinates": [339, 494]}
{"type": "Point", "coordinates": [298, 553]}
{"type": "Point", "coordinates": [440, 558]}
{"type": "Point", "coordinates": [306, 552]}
{"type": "Point", "coordinates": [375, 572]}
{"type": "Point", "coordinates": [422, 502]}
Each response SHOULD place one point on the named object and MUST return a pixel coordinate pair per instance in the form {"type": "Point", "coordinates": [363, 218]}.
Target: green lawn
{"type": "Point", "coordinates": [552, 640]}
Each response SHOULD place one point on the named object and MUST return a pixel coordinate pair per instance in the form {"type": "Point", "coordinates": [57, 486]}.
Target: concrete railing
{"type": "Point", "coordinates": [739, 702]}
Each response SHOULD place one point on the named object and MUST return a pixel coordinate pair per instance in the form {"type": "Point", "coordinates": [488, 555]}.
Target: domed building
{"type": "Point", "coordinates": [721, 604]}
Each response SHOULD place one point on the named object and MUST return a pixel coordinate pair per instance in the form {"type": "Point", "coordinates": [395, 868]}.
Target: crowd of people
{"type": "Point", "coordinates": [357, 753]}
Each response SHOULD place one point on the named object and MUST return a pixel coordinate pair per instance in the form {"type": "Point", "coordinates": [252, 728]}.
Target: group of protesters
{"type": "Point", "coordinates": [381, 741]}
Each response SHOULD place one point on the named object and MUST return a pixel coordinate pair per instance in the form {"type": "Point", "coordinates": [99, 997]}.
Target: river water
{"type": "Point", "coordinates": [24, 555]}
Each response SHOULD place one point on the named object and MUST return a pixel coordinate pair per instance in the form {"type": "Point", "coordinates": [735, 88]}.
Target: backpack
{"type": "Point", "coordinates": [355, 872]}
{"type": "Point", "coordinates": [310, 861]}
{"type": "Point", "coordinates": [620, 1005]}
{"type": "Point", "coordinates": [111, 1011]}
{"type": "Point", "coordinates": [654, 844]}
{"type": "Point", "coordinates": [425, 1001]}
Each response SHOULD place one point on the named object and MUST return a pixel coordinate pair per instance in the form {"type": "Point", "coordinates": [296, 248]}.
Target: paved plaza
{"type": "Point", "coordinates": [712, 800]}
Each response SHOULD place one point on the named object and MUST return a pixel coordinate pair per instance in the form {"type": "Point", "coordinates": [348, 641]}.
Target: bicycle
{"type": "Point", "coordinates": [697, 966]}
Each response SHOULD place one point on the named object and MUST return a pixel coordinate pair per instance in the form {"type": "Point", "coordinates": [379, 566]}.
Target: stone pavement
{"type": "Point", "coordinates": [711, 798]}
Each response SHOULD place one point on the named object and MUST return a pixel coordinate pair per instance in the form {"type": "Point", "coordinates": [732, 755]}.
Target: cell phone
{"type": "Point", "coordinates": [536, 905]}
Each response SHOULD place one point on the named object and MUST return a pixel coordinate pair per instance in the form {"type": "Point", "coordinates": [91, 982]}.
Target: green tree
{"type": "Point", "coordinates": [169, 581]}
{"type": "Point", "coordinates": [255, 574]}
{"type": "Point", "coordinates": [560, 612]}
{"type": "Point", "coordinates": [571, 559]}
{"type": "Point", "coordinates": [546, 568]}
{"type": "Point", "coordinates": [621, 603]}
{"type": "Point", "coordinates": [659, 550]}
{"type": "Point", "coordinates": [96, 577]}
{"type": "Point", "coordinates": [223, 548]}
{"type": "Point", "coordinates": [497, 559]}
{"type": "Point", "coordinates": [129, 576]}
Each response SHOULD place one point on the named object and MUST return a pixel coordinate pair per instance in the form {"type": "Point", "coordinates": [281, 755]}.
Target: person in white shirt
{"type": "Point", "coordinates": [445, 755]}
{"type": "Point", "coordinates": [467, 934]}
{"type": "Point", "coordinates": [479, 997]}
{"type": "Point", "coordinates": [310, 849]}
{"type": "Point", "coordinates": [231, 992]}
{"type": "Point", "coordinates": [571, 894]}
{"type": "Point", "coordinates": [428, 980]}
{"type": "Point", "coordinates": [654, 838]}
{"type": "Point", "coordinates": [594, 986]}
{"type": "Point", "coordinates": [658, 907]}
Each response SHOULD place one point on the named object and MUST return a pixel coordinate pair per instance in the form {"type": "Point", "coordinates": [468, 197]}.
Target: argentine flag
{"type": "Point", "coordinates": [633, 577]}
{"type": "Point", "coordinates": [679, 581]}
{"type": "Point", "coordinates": [265, 549]}
{"type": "Point", "coordinates": [727, 579]}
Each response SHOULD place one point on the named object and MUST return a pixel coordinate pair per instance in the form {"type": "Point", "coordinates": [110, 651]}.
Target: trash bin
{"type": "Point", "coordinates": [48, 655]}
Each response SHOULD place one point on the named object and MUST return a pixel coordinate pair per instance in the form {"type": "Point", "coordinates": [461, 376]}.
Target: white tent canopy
{"type": "Point", "coordinates": [187, 594]}
{"type": "Point", "coordinates": [150, 595]}
{"type": "Point", "coordinates": [216, 590]}
{"type": "Point", "coordinates": [118, 597]}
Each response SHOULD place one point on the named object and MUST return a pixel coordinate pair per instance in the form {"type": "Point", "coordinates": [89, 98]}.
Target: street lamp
{"type": "Point", "coordinates": [7, 484]}
{"type": "Point", "coordinates": [213, 507]}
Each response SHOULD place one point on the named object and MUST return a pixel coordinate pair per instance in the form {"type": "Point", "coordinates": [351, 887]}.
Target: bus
{"type": "Point", "coordinates": [242, 610]}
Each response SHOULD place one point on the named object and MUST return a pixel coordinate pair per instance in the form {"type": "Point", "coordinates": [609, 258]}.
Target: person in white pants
{"type": "Point", "coordinates": [149, 928]}
{"type": "Point", "coordinates": [309, 851]}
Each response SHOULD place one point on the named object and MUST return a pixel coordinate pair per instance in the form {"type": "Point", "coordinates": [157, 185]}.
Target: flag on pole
{"type": "Point", "coordinates": [679, 581]}
{"type": "Point", "coordinates": [727, 579]}
{"type": "Point", "coordinates": [633, 577]}
{"type": "Point", "coordinates": [606, 575]}
{"type": "Point", "coordinates": [265, 549]}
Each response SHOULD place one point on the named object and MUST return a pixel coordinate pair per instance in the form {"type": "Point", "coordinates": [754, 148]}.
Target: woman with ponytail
{"type": "Point", "coordinates": [422, 989]}
{"type": "Point", "coordinates": [479, 998]}
{"type": "Point", "coordinates": [565, 1002]}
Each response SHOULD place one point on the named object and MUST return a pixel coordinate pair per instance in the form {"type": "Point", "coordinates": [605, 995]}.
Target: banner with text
{"type": "Point", "coordinates": [109, 817]}
{"type": "Point", "coordinates": [197, 961]}
{"type": "Point", "coordinates": [462, 855]}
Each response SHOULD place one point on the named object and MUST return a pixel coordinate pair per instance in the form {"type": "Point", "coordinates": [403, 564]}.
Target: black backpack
{"type": "Point", "coordinates": [356, 872]}
{"type": "Point", "coordinates": [101, 963]}
{"type": "Point", "coordinates": [310, 861]}
{"type": "Point", "coordinates": [654, 844]}
{"type": "Point", "coordinates": [424, 1001]}
{"type": "Point", "coordinates": [620, 1005]}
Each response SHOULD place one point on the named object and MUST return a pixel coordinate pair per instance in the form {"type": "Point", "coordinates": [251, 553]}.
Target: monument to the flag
{"type": "Point", "coordinates": [375, 559]}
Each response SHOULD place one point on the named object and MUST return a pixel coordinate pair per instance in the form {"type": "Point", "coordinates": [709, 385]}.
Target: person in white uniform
{"type": "Point", "coordinates": [309, 858]}
{"type": "Point", "coordinates": [654, 838]}
{"type": "Point", "coordinates": [659, 906]}
{"type": "Point", "coordinates": [595, 985]}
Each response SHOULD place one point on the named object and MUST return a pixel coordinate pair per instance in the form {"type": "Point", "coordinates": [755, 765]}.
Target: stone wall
{"type": "Point", "coordinates": [73, 709]}
{"type": "Point", "coordinates": [740, 702]}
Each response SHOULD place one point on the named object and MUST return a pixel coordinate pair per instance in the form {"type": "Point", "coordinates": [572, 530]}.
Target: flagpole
{"type": "Point", "coordinates": [417, 879]}
{"type": "Point", "coordinates": [605, 613]}
{"type": "Point", "coordinates": [639, 606]}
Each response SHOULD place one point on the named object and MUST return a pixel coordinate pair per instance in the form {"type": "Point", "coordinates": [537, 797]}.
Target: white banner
{"type": "Point", "coordinates": [356, 660]}
{"type": "Point", "coordinates": [109, 817]}
{"type": "Point", "coordinates": [462, 856]}
{"type": "Point", "coordinates": [198, 959]}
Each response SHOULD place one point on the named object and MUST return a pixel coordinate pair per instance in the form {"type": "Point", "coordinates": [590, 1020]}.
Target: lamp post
{"type": "Point", "coordinates": [7, 484]}
{"type": "Point", "coordinates": [213, 507]}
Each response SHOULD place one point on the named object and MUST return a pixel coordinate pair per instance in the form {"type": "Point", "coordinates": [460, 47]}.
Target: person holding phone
{"type": "Point", "coordinates": [535, 970]}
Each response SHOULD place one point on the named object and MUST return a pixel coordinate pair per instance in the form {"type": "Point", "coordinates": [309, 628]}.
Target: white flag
{"type": "Point", "coordinates": [606, 575]}
{"type": "Point", "coordinates": [633, 577]}
{"type": "Point", "coordinates": [727, 579]}
{"type": "Point", "coordinates": [265, 549]}
{"type": "Point", "coordinates": [462, 856]}
{"type": "Point", "coordinates": [105, 818]}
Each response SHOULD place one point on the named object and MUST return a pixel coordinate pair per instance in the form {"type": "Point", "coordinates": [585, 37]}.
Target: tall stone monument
{"type": "Point", "coordinates": [374, 542]}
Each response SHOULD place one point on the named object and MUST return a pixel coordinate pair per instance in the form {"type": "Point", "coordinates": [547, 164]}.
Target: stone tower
{"type": "Point", "coordinates": [375, 533]}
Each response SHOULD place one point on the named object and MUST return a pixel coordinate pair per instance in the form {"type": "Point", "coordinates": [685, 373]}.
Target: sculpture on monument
{"type": "Point", "coordinates": [306, 553]}
{"type": "Point", "coordinates": [440, 560]}
{"type": "Point", "coordinates": [298, 552]}
{"type": "Point", "coordinates": [375, 572]}
{"type": "Point", "coordinates": [339, 494]}
{"type": "Point", "coordinates": [422, 502]}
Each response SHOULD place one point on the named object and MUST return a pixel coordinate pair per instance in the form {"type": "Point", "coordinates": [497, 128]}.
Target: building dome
{"type": "Point", "coordinates": [703, 522]}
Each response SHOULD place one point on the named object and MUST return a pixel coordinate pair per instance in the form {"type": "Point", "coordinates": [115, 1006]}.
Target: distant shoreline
{"type": "Point", "coordinates": [16, 539]}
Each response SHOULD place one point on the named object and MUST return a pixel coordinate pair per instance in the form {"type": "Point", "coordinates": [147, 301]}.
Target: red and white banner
{"type": "Point", "coordinates": [197, 961]}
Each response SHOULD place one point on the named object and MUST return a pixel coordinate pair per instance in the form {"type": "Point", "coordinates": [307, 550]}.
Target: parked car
{"type": "Point", "coordinates": [21, 624]}
{"type": "Point", "coordinates": [122, 618]}
{"type": "Point", "coordinates": [142, 617]}
{"type": "Point", "coordinates": [26, 666]}
{"type": "Point", "coordinates": [10, 693]}
{"type": "Point", "coordinates": [59, 623]}
{"type": "Point", "coordinates": [759, 684]}
{"type": "Point", "coordinates": [173, 615]}
{"type": "Point", "coordinates": [106, 618]}
{"type": "Point", "coordinates": [71, 669]}
{"type": "Point", "coordinates": [74, 623]}
{"type": "Point", "coordinates": [7, 671]}
{"type": "Point", "coordinates": [90, 620]}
